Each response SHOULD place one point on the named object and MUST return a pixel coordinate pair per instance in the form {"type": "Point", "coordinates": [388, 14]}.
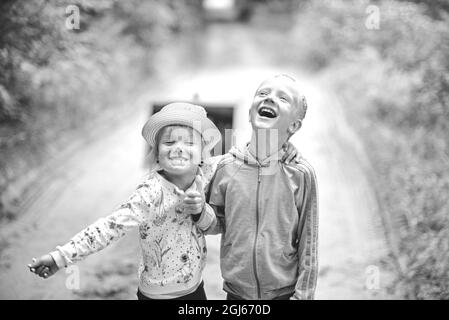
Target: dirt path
{"type": "Point", "coordinates": [351, 236]}
{"type": "Point", "coordinates": [101, 175]}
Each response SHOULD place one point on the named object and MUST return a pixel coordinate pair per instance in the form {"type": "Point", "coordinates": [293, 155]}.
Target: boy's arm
{"type": "Point", "coordinates": [206, 219]}
{"type": "Point", "coordinates": [308, 238]}
{"type": "Point", "coordinates": [219, 225]}
{"type": "Point", "coordinates": [215, 199]}
{"type": "Point", "coordinates": [104, 231]}
{"type": "Point", "coordinates": [213, 190]}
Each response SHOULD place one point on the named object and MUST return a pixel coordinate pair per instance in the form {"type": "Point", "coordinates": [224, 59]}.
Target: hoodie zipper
{"type": "Point", "coordinates": [257, 232]}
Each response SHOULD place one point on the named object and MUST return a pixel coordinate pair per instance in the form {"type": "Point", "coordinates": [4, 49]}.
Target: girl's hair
{"type": "Point", "coordinates": [152, 156]}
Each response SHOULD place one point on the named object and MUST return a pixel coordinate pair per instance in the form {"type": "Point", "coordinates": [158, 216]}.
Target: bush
{"type": "Point", "coordinates": [395, 84]}
{"type": "Point", "coordinates": [54, 80]}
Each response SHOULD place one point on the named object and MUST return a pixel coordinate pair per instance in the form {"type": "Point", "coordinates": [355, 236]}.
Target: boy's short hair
{"type": "Point", "coordinates": [302, 113]}
{"type": "Point", "coordinates": [302, 103]}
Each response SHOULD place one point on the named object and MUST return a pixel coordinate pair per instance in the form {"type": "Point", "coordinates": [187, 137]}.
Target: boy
{"type": "Point", "coordinates": [267, 210]}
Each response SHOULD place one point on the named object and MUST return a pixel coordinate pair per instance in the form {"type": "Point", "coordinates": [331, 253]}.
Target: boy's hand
{"type": "Point", "coordinates": [44, 266]}
{"type": "Point", "coordinates": [193, 202]}
{"type": "Point", "coordinates": [290, 153]}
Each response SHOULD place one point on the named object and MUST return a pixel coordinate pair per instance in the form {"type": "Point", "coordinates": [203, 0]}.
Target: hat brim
{"type": "Point", "coordinates": [209, 132]}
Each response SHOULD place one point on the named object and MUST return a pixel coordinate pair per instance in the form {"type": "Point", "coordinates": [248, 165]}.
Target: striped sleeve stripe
{"type": "Point", "coordinates": [312, 227]}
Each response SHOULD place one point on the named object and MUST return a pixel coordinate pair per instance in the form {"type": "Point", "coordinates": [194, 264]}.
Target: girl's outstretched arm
{"type": "Point", "coordinates": [100, 234]}
{"type": "Point", "coordinates": [44, 267]}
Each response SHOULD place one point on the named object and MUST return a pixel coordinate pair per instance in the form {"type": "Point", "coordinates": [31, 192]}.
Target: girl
{"type": "Point", "coordinates": [168, 208]}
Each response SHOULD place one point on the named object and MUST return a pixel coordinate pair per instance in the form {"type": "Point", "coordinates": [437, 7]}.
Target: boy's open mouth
{"type": "Point", "coordinates": [267, 112]}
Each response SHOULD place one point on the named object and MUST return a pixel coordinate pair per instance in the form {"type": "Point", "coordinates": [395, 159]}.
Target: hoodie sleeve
{"type": "Point", "coordinates": [207, 218]}
{"type": "Point", "coordinates": [215, 197]}
{"type": "Point", "coordinates": [106, 230]}
{"type": "Point", "coordinates": [307, 204]}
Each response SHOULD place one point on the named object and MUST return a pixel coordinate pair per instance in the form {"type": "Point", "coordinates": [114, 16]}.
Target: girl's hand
{"type": "Point", "coordinates": [290, 153]}
{"type": "Point", "coordinates": [193, 202]}
{"type": "Point", "coordinates": [44, 266]}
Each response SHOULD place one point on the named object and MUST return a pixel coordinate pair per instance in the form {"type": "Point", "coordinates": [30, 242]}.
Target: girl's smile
{"type": "Point", "coordinates": [179, 150]}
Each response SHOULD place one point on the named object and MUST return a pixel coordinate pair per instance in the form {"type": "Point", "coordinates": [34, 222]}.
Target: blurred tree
{"type": "Point", "coordinates": [27, 37]}
{"type": "Point", "coordinates": [55, 80]}
{"type": "Point", "coordinates": [434, 7]}
{"type": "Point", "coordinates": [395, 84]}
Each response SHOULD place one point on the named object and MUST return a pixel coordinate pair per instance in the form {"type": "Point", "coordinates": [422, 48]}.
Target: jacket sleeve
{"type": "Point", "coordinates": [215, 197]}
{"type": "Point", "coordinates": [106, 230]}
{"type": "Point", "coordinates": [308, 238]}
{"type": "Point", "coordinates": [206, 219]}
{"type": "Point", "coordinates": [219, 223]}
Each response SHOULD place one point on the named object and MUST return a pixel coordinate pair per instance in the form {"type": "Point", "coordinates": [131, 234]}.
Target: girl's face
{"type": "Point", "coordinates": [179, 150]}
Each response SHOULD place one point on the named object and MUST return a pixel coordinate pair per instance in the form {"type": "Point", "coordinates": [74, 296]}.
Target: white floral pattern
{"type": "Point", "coordinates": [173, 247]}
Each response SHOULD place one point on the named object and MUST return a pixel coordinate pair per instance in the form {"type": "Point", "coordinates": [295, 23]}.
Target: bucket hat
{"type": "Point", "coordinates": [182, 113]}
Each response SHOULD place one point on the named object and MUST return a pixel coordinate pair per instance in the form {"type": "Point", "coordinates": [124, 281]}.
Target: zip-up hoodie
{"type": "Point", "coordinates": [268, 216]}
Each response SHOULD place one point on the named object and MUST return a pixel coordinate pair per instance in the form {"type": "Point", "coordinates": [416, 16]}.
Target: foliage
{"type": "Point", "coordinates": [394, 81]}
{"type": "Point", "coordinates": [56, 80]}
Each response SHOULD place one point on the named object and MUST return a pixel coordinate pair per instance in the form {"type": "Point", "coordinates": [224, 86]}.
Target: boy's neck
{"type": "Point", "coordinates": [264, 143]}
{"type": "Point", "coordinates": [183, 182]}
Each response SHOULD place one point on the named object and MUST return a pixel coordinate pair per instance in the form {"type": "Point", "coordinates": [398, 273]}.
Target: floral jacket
{"type": "Point", "coordinates": [173, 246]}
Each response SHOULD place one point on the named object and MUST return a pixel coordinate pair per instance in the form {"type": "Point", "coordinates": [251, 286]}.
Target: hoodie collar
{"type": "Point", "coordinates": [246, 156]}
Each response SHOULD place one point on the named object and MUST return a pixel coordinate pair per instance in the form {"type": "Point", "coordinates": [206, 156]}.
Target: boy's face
{"type": "Point", "coordinates": [275, 106]}
{"type": "Point", "coordinates": [179, 150]}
